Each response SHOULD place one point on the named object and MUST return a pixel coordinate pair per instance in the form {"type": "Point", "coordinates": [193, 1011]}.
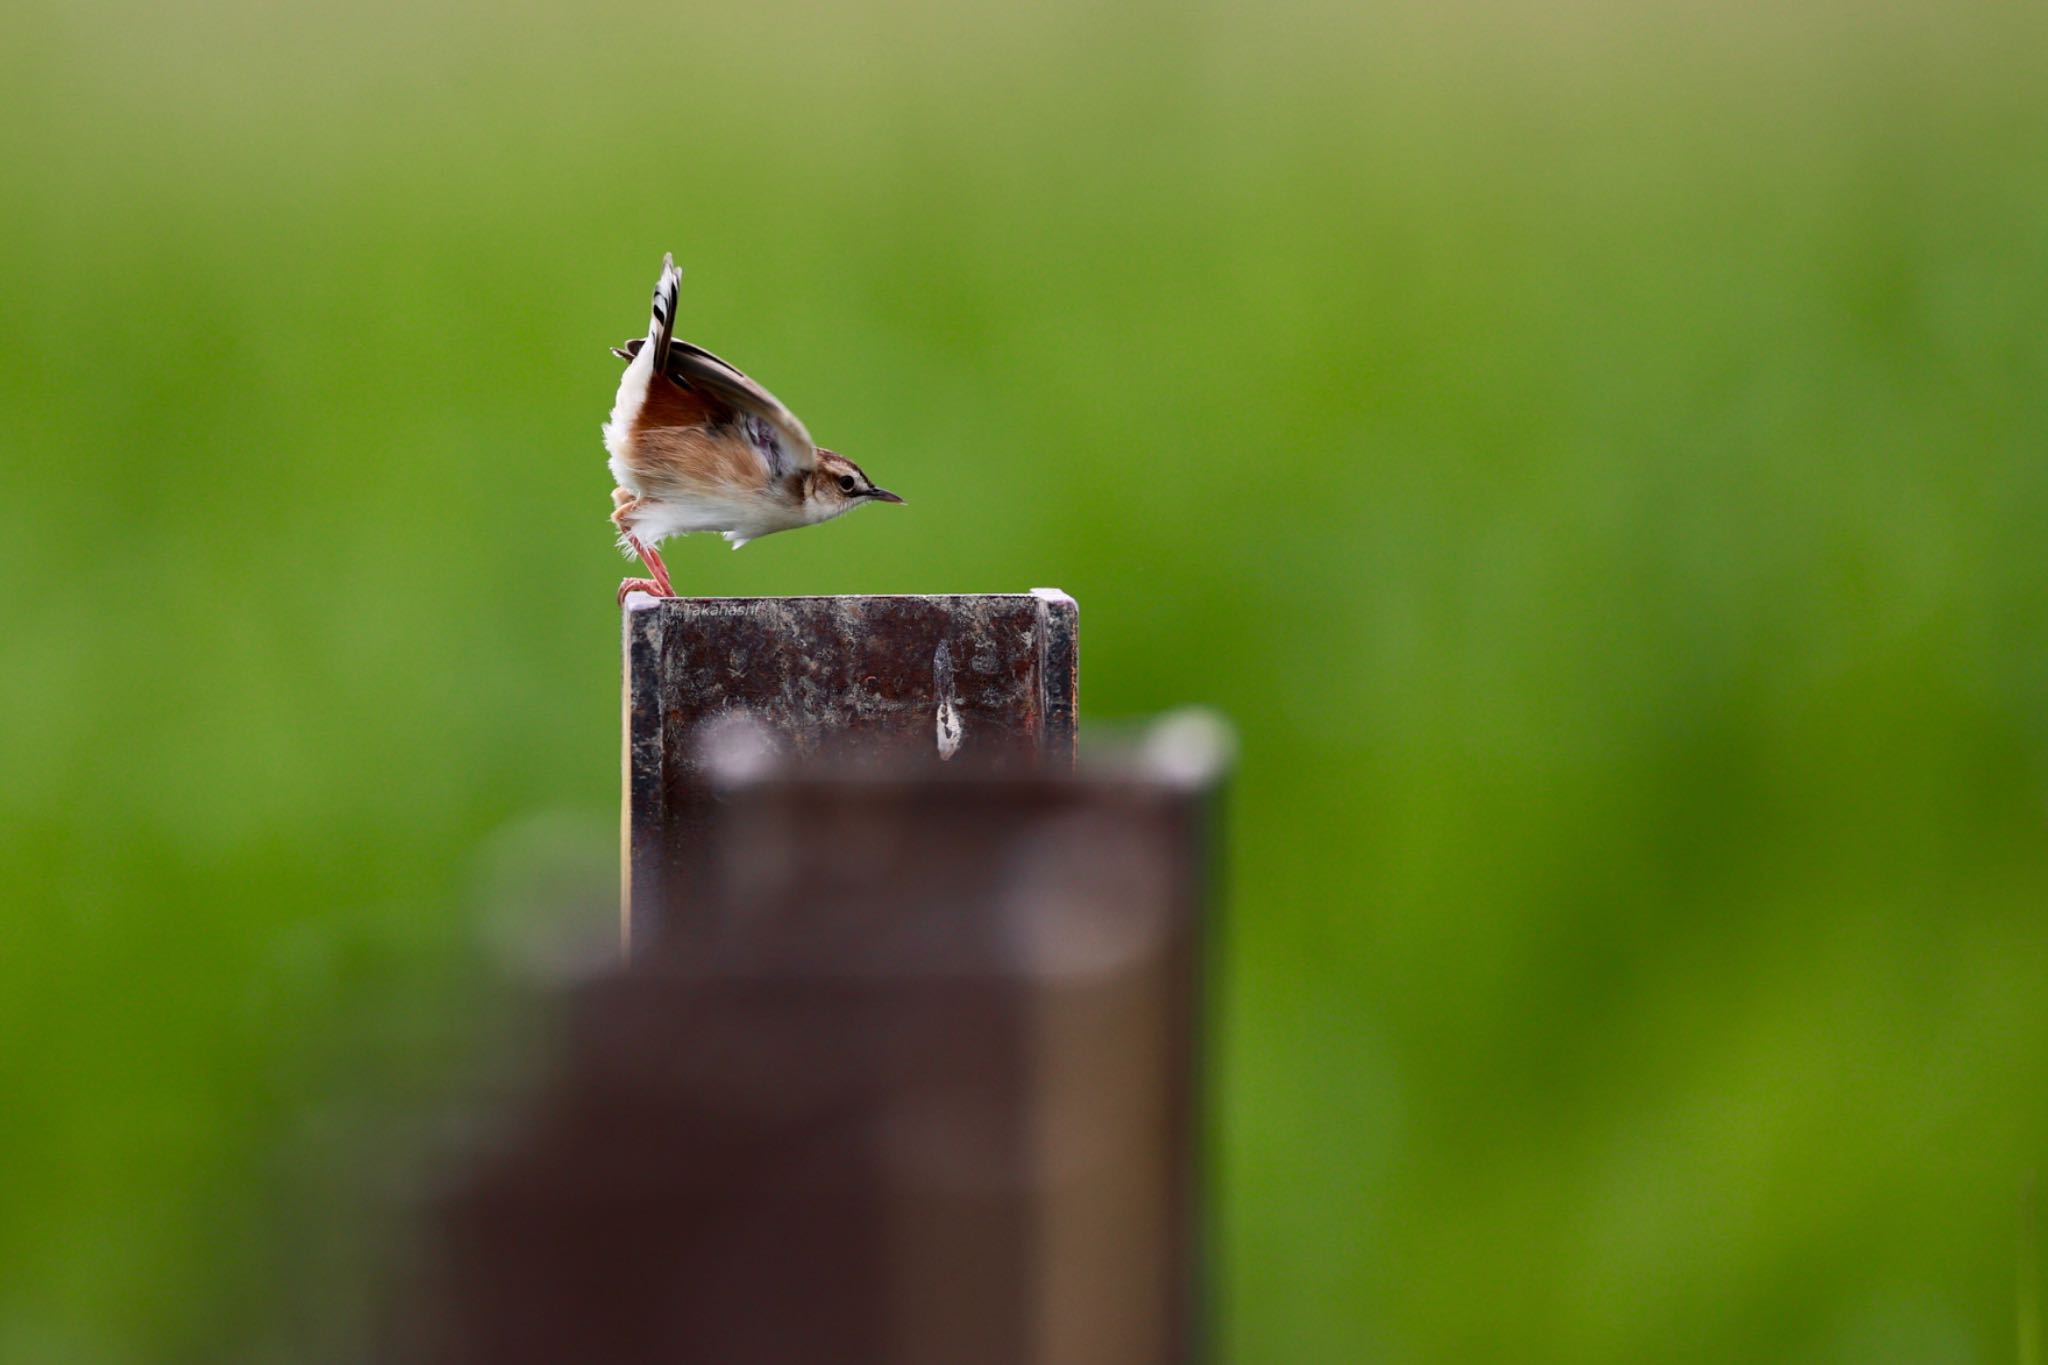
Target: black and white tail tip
{"type": "Point", "coordinates": [661, 326]}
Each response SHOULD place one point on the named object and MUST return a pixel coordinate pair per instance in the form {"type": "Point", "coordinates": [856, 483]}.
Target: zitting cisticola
{"type": "Point", "coordinates": [698, 446]}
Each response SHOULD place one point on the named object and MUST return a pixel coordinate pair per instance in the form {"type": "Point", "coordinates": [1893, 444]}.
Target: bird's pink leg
{"type": "Point", "coordinates": [658, 585]}
{"type": "Point", "coordinates": [654, 565]}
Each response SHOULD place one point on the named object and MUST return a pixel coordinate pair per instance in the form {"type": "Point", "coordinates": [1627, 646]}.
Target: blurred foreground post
{"type": "Point", "coordinates": [909, 1078]}
{"type": "Point", "coordinates": [984, 680]}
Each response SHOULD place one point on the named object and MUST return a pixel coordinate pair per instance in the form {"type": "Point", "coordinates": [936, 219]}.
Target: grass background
{"type": "Point", "coordinates": [1595, 453]}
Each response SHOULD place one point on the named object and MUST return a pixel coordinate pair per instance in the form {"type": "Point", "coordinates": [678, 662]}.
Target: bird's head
{"type": "Point", "coordinates": [838, 484]}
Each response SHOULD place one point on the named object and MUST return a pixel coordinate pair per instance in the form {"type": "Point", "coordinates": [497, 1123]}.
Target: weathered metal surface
{"type": "Point", "coordinates": [985, 681]}
{"type": "Point", "coordinates": [913, 1082]}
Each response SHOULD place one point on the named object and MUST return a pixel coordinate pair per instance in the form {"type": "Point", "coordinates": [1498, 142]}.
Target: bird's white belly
{"type": "Point", "coordinates": [740, 519]}
{"type": "Point", "coordinates": [618, 428]}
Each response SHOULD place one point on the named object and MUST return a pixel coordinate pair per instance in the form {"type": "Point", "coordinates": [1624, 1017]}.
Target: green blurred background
{"type": "Point", "coordinates": [1597, 453]}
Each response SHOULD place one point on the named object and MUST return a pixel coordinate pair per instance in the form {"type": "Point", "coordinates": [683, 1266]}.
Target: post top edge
{"type": "Point", "coordinates": [638, 602]}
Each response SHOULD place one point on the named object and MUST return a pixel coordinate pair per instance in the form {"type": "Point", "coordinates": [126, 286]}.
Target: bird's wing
{"type": "Point", "coordinates": [785, 444]}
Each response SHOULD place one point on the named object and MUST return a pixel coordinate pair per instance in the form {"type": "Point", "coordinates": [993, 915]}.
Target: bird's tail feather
{"type": "Point", "coordinates": [661, 325]}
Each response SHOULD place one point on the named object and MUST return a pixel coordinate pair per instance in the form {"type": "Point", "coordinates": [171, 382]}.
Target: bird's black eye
{"type": "Point", "coordinates": [846, 483]}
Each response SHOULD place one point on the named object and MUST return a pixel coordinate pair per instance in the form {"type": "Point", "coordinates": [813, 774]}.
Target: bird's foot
{"type": "Point", "coordinates": [654, 565]}
{"type": "Point", "coordinates": [646, 585]}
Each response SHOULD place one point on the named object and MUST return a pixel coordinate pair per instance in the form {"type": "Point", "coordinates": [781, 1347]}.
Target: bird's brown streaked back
{"type": "Point", "coordinates": [692, 367]}
{"type": "Point", "coordinates": [669, 404]}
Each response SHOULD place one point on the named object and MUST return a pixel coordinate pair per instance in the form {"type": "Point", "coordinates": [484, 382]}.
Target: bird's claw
{"type": "Point", "coordinates": [646, 585]}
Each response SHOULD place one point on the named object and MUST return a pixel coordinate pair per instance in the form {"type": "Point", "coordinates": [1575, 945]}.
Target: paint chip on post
{"type": "Point", "coordinates": [949, 727]}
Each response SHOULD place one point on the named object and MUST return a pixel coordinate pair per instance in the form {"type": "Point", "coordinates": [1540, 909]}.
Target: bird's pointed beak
{"type": "Point", "coordinates": [884, 495]}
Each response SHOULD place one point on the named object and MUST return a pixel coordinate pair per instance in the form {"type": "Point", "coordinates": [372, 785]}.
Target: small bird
{"type": "Point", "coordinates": [697, 446]}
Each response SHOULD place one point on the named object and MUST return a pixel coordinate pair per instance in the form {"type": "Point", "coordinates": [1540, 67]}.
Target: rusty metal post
{"type": "Point", "coordinates": [912, 1079]}
{"type": "Point", "coordinates": [976, 680]}
{"type": "Point", "coordinates": [904, 1068]}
